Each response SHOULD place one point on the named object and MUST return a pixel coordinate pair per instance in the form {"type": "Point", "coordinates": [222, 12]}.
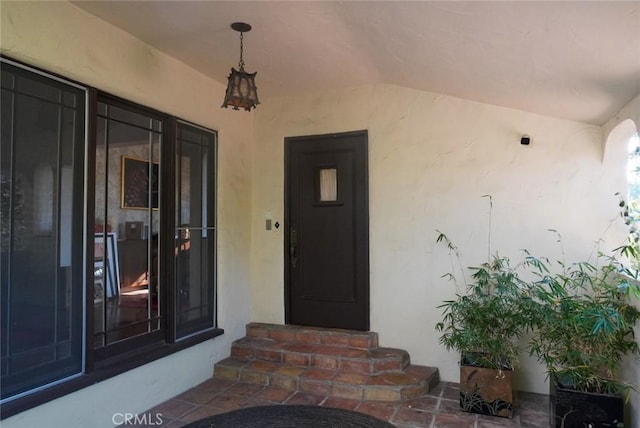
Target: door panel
{"type": "Point", "coordinates": [327, 254]}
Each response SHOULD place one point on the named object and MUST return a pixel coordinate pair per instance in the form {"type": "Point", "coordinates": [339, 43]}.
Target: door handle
{"type": "Point", "coordinates": [293, 246]}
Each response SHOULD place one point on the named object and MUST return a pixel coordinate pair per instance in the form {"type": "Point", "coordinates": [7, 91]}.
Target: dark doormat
{"type": "Point", "coordinates": [290, 417]}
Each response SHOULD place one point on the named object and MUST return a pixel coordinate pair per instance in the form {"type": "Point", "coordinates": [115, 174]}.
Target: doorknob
{"type": "Point", "coordinates": [293, 245]}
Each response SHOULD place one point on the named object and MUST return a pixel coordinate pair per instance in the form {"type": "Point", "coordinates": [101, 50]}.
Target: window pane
{"type": "Point", "coordinates": [328, 185]}
{"type": "Point", "coordinates": [43, 194]}
{"type": "Point", "coordinates": [195, 232]}
{"type": "Point", "coordinates": [189, 136]}
{"type": "Point", "coordinates": [126, 300]}
{"type": "Point", "coordinates": [130, 117]}
{"type": "Point", "coordinates": [69, 99]}
{"type": "Point", "coordinates": [41, 265]}
{"type": "Point", "coordinates": [102, 109]}
{"type": "Point", "coordinates": [38, 86]}
{"type": "Point", "coordinates": [8, 81]}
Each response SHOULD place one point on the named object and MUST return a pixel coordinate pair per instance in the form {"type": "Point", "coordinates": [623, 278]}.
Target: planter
{"type": "Point", "coordinates": [486, 391]}
{"type": "Point", "coordinates": [570, 408]}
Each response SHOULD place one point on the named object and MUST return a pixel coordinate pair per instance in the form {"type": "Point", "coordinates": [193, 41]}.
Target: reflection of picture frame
{"type": "Point", "coordinates": [135, 184]}
{"type": "Point", "coordinates": [112, 279]}
{"type": "Point", "coordinates": [98, 281]}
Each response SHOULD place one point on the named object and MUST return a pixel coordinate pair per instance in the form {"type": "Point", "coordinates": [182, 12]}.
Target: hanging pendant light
{"type": "Point", "coordinates": [241, 88]}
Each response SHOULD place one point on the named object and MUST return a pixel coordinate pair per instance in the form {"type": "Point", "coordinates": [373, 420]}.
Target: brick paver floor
{"type": "Point", "coordinates": [439, 408]}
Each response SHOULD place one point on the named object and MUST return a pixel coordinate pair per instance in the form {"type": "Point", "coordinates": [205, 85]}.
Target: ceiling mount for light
{"type": "Point", "coordinates": [241, 88]}
{"type": "Point", "coordinates": [241, 27]}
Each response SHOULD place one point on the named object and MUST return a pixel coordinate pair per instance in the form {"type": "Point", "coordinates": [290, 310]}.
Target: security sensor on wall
{"type": "Point", "coordinates": [525, 140]}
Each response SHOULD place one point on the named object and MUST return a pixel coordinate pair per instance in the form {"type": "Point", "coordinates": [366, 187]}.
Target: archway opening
{"type": "Point", "coordinates": [632, 208]}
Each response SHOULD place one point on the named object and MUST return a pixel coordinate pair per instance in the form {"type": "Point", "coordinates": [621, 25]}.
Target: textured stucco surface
{"type": "Point", "coordinates": [62, 38]}
{"type": "Point", "coordinates": [573, 60]}
{"type": "Point", "coordinates": [431, 158]}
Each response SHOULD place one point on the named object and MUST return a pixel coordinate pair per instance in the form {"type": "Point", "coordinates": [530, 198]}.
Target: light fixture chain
{"type": "Point", "coordinates": [241, 64]}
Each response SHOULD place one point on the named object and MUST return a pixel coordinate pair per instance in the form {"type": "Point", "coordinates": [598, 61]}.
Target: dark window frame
{"type": "Point", "coordinates": [114, 363]}
{"type": "Point", "coordinates": [181, 331]}
{"type": "Point", "coordinates": [130, 346]}
{"type": "Point", "coordinates": [69, 144]}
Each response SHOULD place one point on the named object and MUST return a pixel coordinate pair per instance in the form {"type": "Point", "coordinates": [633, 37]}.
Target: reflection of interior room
{"type": "Point", "coordinates": [124, 303]}
{"type": "Point", "coordinates": [128, 295]}
{"type": "Point", "coordinates": [126, 245]}
{"type": "Point", "coordinates": [129, 286]}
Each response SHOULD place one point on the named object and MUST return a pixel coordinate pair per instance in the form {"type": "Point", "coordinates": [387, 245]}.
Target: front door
{"type": "Point", "coordinates": [327, 233]}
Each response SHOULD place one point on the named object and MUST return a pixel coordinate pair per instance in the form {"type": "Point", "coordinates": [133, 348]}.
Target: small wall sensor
{"type": "Point", "coordinates": [525, 140]}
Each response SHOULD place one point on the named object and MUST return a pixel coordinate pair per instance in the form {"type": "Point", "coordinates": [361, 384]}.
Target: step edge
{"type": "Point", "coordinates": [324, 333]}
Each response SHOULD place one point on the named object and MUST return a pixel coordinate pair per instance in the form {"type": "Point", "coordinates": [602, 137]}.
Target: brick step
{"type": "Point", "coordinates": [411, 383]}
{"type": "Point", "coordinates": [314, 335]}
{"type": "Point", "coordinates": [371, 361]}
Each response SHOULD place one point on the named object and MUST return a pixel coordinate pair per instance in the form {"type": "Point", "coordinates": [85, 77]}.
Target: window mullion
{"type": "Point", "coordinates": [11, 243]}
{"type": "Point", "coordinates": [56, 233]}
{"type": "Point", "coordinates": [167, 245]}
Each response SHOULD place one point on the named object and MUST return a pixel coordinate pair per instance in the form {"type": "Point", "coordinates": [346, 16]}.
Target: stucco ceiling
{"type": "Point", "coordinates": [572, 60]}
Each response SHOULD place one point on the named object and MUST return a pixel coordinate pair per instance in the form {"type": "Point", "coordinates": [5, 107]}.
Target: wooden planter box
{"type": "Point", "coordinates": [486, 391]}
{"type": "Point", "coordinates": [571, 408]}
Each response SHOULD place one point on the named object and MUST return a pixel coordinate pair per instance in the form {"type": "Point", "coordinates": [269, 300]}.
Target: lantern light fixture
{"type": "Point", "coordinates": [241, 87]}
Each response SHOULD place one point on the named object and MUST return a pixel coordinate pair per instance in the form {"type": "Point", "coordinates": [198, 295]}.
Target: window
{"type": "Point", "coordinates": [328, 180]}
{"type": "Point", "coordinates": [41, 261]}
{"type": "Point", "coordinates": [128, 293]}
{"type": "Point", "coordinates": [195, 231]}
{"type": "Point", "coordinates": [107, 260]}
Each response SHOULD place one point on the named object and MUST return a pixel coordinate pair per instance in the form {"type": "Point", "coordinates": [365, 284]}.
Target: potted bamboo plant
{"type": "Point", "coordinates": [584, 328]}
{"type": "Point", "coordinates": [484, 324]}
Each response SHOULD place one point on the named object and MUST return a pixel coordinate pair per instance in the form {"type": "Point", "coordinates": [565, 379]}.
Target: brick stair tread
{"type": "Point", "coordinates": [347, 352]}
{"type": "Point", "coordinates": [369, 361]}
{"type": "Point", "coordinates": [314, 335]}
{"type": "Point", "coordinates": [414, 381]}
{"type": "Point", "coordinates": [414, 373]}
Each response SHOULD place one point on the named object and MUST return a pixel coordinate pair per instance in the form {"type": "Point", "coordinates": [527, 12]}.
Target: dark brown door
{"type": "Point", "coordinates": [327, 231]}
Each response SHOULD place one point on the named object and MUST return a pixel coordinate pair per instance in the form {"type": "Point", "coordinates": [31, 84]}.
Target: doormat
{"type": "Point", "coordinates": [290, 416]}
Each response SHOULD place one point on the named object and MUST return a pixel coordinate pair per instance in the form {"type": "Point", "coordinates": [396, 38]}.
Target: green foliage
{"type": "Point", "coordinates": [485, 323]}
{"type": "Point", "coordinates": [581, 315]}
{"type": "Point", "coordinates": [584, 321]}
{"type": "Point", "coordinates": [630, 213]}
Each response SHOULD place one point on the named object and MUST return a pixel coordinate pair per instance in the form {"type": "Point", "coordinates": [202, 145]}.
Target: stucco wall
{"type": "Point", "coordinates": [431, 158]}
{"type": "Point", "coordinates": [61, 38]}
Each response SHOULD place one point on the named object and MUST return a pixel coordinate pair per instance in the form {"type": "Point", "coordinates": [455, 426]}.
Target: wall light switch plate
{"type": "Point", "coordinates": [267, 224]}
